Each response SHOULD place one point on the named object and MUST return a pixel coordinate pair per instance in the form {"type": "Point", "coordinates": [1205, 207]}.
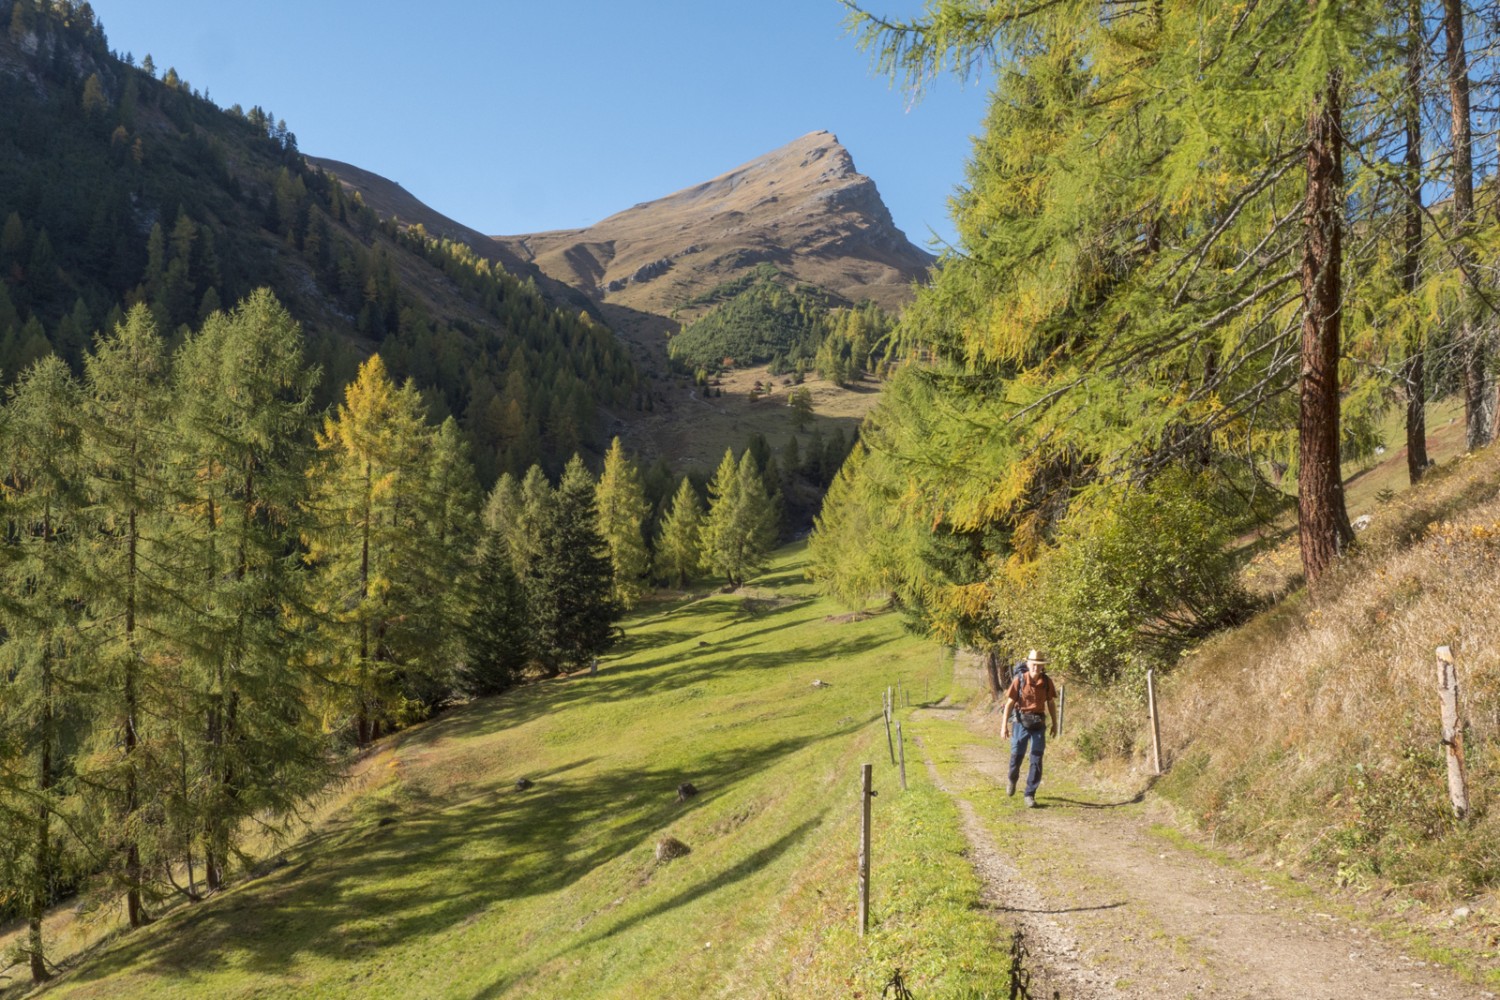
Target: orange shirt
{"type": "Point", "coordinates": [1031, 694]}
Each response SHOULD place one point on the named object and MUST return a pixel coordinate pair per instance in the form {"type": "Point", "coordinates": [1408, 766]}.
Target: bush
{"type": "Point", "coordinates": [1133, 582]}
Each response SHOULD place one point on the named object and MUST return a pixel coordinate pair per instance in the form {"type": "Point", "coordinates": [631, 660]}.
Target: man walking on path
{"type": "Point", "coordinates": [1031, 694]}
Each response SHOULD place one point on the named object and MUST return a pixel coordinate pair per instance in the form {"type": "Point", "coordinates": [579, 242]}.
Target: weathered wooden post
{"type": "Point", "coordinates": [888, 745]}
{"type": "Point", "coordinates": [1453, 732]}
{"type": "Point", "coordinates": [902, 744]}
{"type": "Point", "coordinates": [865, 794]}
{"type": "Point", "coordinates": [1155, 722]}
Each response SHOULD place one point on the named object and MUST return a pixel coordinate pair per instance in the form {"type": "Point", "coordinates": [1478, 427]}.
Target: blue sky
{"type": "Point", "coordinates": [515, 116]}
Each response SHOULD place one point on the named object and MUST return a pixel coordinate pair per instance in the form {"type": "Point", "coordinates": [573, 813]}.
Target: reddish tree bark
{"type": "Point", "coordinates": [1413, 371]}
{"type": "Point", "coordinates": [1471, 338]}
{"type": "Point", "coordinates": [1322, 520]}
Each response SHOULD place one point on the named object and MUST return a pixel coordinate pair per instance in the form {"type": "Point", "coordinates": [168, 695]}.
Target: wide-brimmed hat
{"type": "Point", "coordinates": [1036, 656]}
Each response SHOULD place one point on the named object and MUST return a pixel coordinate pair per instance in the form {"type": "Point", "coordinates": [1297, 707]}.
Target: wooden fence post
{"type": "Point", "coordinates": [1155, 722]}
{"type": "Point", "coordinates": [865, 794]}
{"type": "Point", "coordinates": [888, 744]}
{"type": "Point", "coordinates": [902, 744]}
{"type": "Point", "coordinates": [1453, 732]}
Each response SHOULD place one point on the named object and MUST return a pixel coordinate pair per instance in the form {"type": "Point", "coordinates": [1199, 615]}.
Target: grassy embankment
{"type": "Point", "coordinates": [433, 875]}
{"type": "Point", "coordinates": [1310, 738]}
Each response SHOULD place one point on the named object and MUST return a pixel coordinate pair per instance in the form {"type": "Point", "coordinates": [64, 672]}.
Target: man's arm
{"type": "Point", "coordinates": [1052, 711]}
{"type": "Point", "coordinates": [1005, 716]}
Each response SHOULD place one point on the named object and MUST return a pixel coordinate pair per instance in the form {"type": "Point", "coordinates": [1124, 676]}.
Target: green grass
{"type": "Point", "coordinates": [443, 879]}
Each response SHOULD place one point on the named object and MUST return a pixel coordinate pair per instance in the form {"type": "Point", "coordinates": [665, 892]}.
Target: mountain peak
{"type": "Point", "coordinates": [802, 207]}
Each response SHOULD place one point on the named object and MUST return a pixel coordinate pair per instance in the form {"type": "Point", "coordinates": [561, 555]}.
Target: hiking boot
{"type": "Point", "coordinates": [1031, 802]}
{"type": "Point", "coordinates": [1010, 787]}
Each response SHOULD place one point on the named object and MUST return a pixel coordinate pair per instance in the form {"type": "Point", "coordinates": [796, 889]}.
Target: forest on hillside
{"type": "Point", "coordinates": [122, 184]}
{"type": "Point", "coordinates": [212, 593]}
{"type": "Point", "coordinates": [763, 317]}
{"type": "Point", "coordinates": [1203, 251]}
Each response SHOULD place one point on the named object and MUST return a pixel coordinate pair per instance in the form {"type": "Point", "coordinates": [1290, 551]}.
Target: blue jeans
{"type": "Point", "coordinates": [1020, 737]}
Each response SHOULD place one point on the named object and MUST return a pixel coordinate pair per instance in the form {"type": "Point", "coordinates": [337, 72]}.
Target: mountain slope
{"type": "Point", "coordinates": [391, 201]}
{"type": "Point", "coordinates": [118, 186]}
{"type": "Point", "coordinates": [802, 207]}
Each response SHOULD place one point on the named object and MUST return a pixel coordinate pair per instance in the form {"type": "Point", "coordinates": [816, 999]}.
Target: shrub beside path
{"type": "Point", "coordinates": [1112, 906]}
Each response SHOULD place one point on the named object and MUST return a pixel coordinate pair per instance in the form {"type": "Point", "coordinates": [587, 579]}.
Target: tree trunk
{"type": "Point", "coordinates": [1413, 371]}
{"type": "Point", "coordinates": [1323, 522]}
{"type": "Point", "coordinates": [42, 854]}
{"type": "Point", "coordinates": [362, 719]}
{"type": "Point", "coordinates": [41, 860]}
{"type": "Point", "coordinates": [1471, 336]}
{"type": "Point", "coordinates": [992, 673]}
{"type": "Point", "coordinates": [133, 904]}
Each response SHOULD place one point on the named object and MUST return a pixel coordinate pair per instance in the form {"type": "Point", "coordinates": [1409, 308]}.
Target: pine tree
{"type": "Point", "coordinates": [679, 547]}
{"type": "Point", "coordinates": [621, 502]}
{"type": "Point", "coordinates": [496, 635]}
{"type": "Point", "coordinates": [568, 587]}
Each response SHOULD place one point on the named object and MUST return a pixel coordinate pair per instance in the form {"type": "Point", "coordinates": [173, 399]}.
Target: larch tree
{"type": "Point", "coordinates": [41, 708]}
{"type": "Point", "coordinates": [741, 525]}
{"type": "Point", "coordinates": [243, 426]}
{"type": "Point", "coordinates": [124, 451]}
{"type": "Point", "coordinates": [622, 507]}
{"type": "Point", "coordinates": [679, 546]}
{"type": "Point", "coordinates": [365, 479]}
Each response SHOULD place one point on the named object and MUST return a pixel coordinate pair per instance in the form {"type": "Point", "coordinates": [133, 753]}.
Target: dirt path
{"type": "Point", "coordinates": [1111, 910]}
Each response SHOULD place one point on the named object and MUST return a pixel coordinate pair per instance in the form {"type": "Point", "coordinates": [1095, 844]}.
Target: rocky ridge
{"type": "Point", "coordinates": [803, 207]}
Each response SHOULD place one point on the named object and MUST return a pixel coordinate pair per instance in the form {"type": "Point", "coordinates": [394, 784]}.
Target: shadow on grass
{"type": "Point", "coordinates": [636, 680]}
{"type": "Point", "coordinates": [711, 882]}
{"type": "Point", "coordinates": [364, 887]}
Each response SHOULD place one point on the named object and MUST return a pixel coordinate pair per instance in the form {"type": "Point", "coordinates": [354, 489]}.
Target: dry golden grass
{"type": "Point", "coordinates": [1312, 736]}
{"type": "Point", "coordinates": [1313, 733]}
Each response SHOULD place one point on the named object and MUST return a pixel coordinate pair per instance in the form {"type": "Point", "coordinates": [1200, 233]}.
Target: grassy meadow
{"type": "Point", "coordinates": [431, 874]}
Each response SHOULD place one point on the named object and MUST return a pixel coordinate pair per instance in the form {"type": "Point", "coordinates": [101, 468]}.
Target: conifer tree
{"type": "Point", "coordinates": [124, 452]}
{"type": "Point", "coordinates": [496, 631]}
{"type": "Point", "coordinates": [41, 655]}
{"type": "Point", "coordinates": [364, 482]}
{"type": "Point", "coordinates": [741, 525]}
{"type": "Point", "coordinates": [440, 595]}
{"type": "Point", "coordinates": [679, 548]}
{"type": "Point", "coordinates": [243, 401]}
{"type": "Point", "coordinates": [528, 534]}
{"type": "Point", "coordinates": [622, 507]}
{"type": "Point", "coordinates": [568, 587]}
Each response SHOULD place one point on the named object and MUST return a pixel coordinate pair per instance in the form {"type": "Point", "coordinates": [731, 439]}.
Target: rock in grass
{"type": "Point", "coordinates": [669, 848]}
{"type": "Point", "coordinates": [685, 791]}
{"type": "Point", "coordinates": [523, 784]}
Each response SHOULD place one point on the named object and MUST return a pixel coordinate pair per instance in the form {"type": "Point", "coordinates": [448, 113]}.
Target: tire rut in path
{"type": "Point", "coordinates": [1111, 910]}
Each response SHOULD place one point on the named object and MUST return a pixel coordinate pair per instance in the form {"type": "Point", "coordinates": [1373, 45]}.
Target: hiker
{"type": "Point", "coordinates": [1031, 694]}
